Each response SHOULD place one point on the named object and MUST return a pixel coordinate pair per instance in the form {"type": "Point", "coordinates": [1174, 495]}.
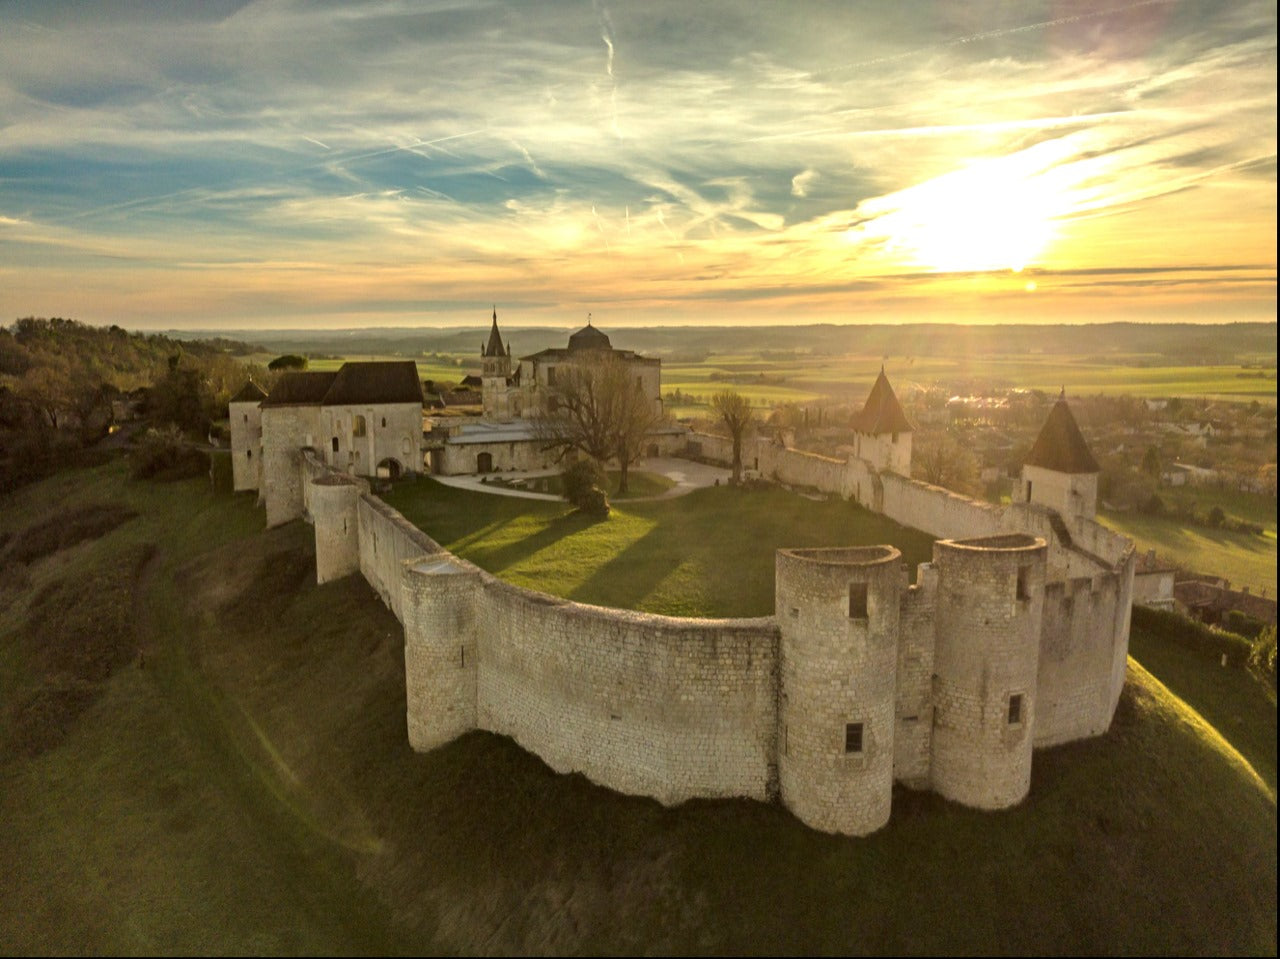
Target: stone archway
{"type": "Point", "coordinates": [484, 463]}
{"type": "Point", "coordinates": [391, 467]}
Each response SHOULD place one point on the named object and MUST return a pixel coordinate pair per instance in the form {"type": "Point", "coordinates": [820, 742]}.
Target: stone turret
{"type": "Point", "coordinates": [244, 411]}
{"type": "Point", "coordinates": [837, 615]}
{"type": "Point", "coordinates": [333, 499]}
{"type": "Point", "coordinates": [883, 430]}
{"type": "Point", "coordinates": [1060, 471]}
{"type": "Point", "coordinates": [986, 656]}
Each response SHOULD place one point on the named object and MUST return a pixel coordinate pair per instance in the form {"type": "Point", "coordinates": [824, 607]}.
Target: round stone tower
{"type": "Point", "coordinates": [837, 612]}
{"type": "Point", "coordinates": [438, 603]}
{"type": "Point", "coordinates": [333, 511]}
{"type": "Point", "coordinates": [987, 653]}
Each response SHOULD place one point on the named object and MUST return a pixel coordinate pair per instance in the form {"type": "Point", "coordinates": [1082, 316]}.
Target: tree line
{"type": "Point", "coordinates": [64, 384]}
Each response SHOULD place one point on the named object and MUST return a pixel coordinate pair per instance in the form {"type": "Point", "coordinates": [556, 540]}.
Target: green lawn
{"type": "Point", "coordinates": [708, 553]}
{"type": "Point", "coordinates": [640, 484]}
{"type": "Point", "coordinates": [1242, 558]}
{"type": "Point", "coordinates": [245, 786]}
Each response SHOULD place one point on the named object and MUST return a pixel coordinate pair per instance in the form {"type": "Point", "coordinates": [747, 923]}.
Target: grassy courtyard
{"type": "Point", "coordinates": [709, 553]}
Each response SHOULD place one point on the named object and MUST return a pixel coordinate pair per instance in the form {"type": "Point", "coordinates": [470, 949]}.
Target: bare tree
{"type": "Point", "coordinates": [735, 413]}
{"type": "Point", "coordinates": [600, 409]}
{"type": "Point", "coordinates": [941, 459]}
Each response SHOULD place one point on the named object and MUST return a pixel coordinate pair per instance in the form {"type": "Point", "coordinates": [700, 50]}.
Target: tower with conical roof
{"type": "Point", "coordinates": [495, 375]}
{"type": "Point", "coordinates": [1060, 471]}
{"type": "Point", "coordinates": [882, 430]}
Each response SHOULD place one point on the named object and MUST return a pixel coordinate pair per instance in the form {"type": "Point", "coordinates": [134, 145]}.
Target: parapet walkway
{"type": "Point", "coordinates": [687, 475]}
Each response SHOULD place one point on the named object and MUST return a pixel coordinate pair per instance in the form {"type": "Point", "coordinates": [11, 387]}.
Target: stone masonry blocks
{"type": "Point", "coordinates": [990, 594]}
{"type": "Point", "coordinates": [838, 612]}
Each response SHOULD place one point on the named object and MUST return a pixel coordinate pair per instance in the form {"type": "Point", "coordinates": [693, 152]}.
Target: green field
{"type": "Point", "coordinates": [1245, 559]}
{"type": "Point", "coordinates": [238, 782]}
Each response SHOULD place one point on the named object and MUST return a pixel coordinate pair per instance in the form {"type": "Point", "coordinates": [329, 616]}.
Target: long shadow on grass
{"type": "Point", "coordinates": [503, 557]}
{"type": "Point", "coordinates": [631, 575]}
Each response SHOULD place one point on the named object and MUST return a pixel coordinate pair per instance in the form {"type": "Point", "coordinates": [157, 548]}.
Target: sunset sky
{"type": "Point", "coordinates": [223, 165]}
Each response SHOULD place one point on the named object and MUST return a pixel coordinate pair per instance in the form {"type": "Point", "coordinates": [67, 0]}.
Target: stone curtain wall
{"type": "Point", "coordinates": [648, 705]}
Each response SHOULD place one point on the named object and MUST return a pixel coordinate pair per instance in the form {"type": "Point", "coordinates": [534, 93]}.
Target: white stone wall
{"type": "Point", "coordinates": [522, 455]}
{"type": "Point", "coordinates": [246, 445]}
{"type": "Point", "coordinates": [838, 668]}
{"type": "Point", "coordinates": [649, 705]}
{"type": "Point", "coordinates": [392, 431]}
{"type": "Point", "coordinates": [439, 603]}
{"type": "Point", "coordinates": [913, 709]}
{"type": "Point", "coordinates": [987, 649]}
{"type": "Point", "coordinates": [332, 506]}
{"type": "Point", "coordinates": [1071, 494]}
{"type": "Point", "coordinates": [285, 431]}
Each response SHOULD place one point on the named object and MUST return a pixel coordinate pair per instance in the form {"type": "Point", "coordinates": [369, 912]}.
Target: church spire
{"type": "Point", "coordinates": [494, 346]}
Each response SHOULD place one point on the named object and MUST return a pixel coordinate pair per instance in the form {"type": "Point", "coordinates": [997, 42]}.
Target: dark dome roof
{"type": "Point", "coordinates": [589, 338]}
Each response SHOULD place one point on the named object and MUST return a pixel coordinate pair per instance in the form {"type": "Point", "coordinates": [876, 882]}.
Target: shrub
{"type": "Point", "coordinates": [163, 454]}
{"type": "Point", "coordinates": [583, 483]}
{"type": "Point", "coordinates": [1217, 517]}
{"type": "Point", "coordinates": [1263, 655]}
{"type": "Point", "coordinates": [1192, 634]}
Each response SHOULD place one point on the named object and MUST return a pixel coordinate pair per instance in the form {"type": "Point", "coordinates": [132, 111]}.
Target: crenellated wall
{"type": "Point", "coordinates": [860, 679]}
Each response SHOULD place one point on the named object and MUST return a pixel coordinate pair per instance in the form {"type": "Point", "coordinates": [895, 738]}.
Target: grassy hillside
{"type": "Point", "coordinates": [229, 774]}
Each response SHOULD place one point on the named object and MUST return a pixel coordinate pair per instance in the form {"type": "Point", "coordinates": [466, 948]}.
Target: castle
{"type": "Point", "coordinates": [1015, 636]}
{"type": "Point", "coordinates": [514, 396]}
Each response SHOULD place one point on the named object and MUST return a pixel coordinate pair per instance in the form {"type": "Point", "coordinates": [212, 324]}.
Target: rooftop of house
{"type": "Point", "coordinates": [355, 384]}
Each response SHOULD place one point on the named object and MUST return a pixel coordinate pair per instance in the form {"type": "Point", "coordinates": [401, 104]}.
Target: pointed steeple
{"type": "Point", "coordinates": [494, 346]}
{"type": "Point", "coordinates": [1060, 446]}
{"type": "Point", "coordinates": [882, 413]}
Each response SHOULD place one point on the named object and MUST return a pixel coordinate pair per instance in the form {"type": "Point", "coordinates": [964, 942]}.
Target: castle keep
{"type": "Point", "coordinates": [1015, 636]}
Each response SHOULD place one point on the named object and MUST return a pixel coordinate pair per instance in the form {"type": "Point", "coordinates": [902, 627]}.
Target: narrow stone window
{"type": "Point", "coordinates": [853, 737]}
{"type": "Point", "coordinates": [1015, 709]}
{"type": "Point", "coordinates": [384, 422]}
{"type": "Point", "coordinates": [462, 656]}
{"type": "Point", "coordinates": [786, 740]}
{"type": "Point", "coordinates": [335, 444]}
{"type": "Point", "coordinates": [857, 600]}
{"type": "Point", "coordinates": [249, 453]}
{"type": "Point", "coordinates": [1023, 590]}
{"type": "Point", "coordinates": [357, 426]}
{"type": "Point", "coordinates": [246, 417]}
{"type": "Point", "coordinates": [1028, 491]}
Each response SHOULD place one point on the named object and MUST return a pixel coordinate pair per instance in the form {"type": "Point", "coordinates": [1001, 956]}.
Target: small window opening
{"type": "Point", "coordinates": [1028, 491]}
{"type": "Point", "coordinates": [246, 417]}
{"type": "Point", "coordinates": [857, 600]}
{"type": "Point", "coordinates": [462, 656]}
{"type": "Point", "coordinates": [786, 741]}
{"type": "Point", "coordinates": [1015, 709]}
{"type": "Point", "coordinates": [249, 453]}
{"type": "Point", "coordinates": [335, 444]}
{"type": "Point", "coordinates": [357, 426]}
{"type": "Point", "coordinates": [384, 422]}
{"type": "Point", "coordinates": [853, 737]}
{"type": "Point", "coordinates": [1023, 590]}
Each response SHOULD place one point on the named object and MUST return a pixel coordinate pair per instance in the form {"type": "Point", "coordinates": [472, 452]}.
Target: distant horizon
{"type": "Point", "coordinates": [299, 164]}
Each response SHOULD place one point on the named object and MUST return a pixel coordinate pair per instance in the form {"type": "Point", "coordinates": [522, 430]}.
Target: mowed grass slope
{"type": "Point", "coordinates": [246, 787]}
{"type": "Point", "coordinates": [1246, 559]}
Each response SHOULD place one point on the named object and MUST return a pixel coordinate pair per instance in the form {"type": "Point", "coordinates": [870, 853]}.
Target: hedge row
{"type": "Point", "coordinates": [1179, 629]}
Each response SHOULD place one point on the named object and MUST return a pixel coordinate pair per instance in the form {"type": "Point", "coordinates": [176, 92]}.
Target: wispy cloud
{"type": "Point", "coordinates": [651, 155]}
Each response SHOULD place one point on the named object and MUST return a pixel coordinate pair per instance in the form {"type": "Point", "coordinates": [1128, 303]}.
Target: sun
{"type": "Point", "coordinates": [989, 215]}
